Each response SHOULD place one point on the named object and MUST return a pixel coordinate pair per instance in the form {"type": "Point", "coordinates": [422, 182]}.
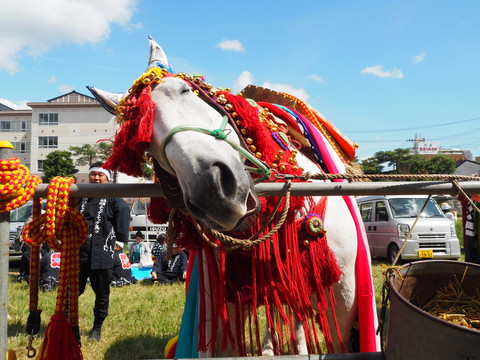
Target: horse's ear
{"type": "Point", "coordinates": [157, 56]}
{"type": "Point", "coordinates": [108, 100]}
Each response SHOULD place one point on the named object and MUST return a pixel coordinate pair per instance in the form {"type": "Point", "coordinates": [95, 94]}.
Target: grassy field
{"type": "Point", "coordinates": [142, 318]}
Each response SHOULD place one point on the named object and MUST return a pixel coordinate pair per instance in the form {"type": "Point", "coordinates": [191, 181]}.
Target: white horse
{"type": "Point", "coordinates": [192, 143]}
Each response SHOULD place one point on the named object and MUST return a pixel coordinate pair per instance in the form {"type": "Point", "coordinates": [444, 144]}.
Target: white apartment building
{"type": "Point", "coordinates": [72, 119]}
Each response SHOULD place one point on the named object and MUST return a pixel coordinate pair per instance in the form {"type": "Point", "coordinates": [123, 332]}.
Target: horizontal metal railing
{"type": "Point", "coordinates": [275, 189]}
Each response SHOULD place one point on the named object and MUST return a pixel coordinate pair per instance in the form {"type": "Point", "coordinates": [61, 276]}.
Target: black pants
{"type": "Point", "coordinates": [100, 281]}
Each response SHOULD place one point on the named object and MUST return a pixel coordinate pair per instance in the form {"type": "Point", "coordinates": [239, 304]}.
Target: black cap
{"type": "Point", "coordinates": [139, 234]}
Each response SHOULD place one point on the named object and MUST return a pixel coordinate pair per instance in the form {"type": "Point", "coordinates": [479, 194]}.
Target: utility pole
{"type": "Point", "coordinates": [5, 153]}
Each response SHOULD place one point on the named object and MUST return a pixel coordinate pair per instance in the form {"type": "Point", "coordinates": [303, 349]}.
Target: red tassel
{"type": "Point", "coordinates": [134, 136]}
{"type": "Point", "coordinates": [59, 342]}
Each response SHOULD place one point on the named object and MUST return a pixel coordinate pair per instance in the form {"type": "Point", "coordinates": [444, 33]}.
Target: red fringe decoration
{"type": "Point", "coordinates": [135, 134]}
{"type": "Point", "coordinates": [59, 342]}
{"type": "Point", "coordinates": [158, 210]}
{"type": "Point", "coordinates": [279, 274]}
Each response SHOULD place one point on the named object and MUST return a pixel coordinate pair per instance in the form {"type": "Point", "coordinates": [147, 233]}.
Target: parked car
{"type": "Point", "coordinates": [18, 217]}
{"type": "Point", "coordinates": [389, 218]}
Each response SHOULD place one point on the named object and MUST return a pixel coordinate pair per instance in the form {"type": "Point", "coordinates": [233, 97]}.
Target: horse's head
{"type": "Point", "coordinates": [188, 138]}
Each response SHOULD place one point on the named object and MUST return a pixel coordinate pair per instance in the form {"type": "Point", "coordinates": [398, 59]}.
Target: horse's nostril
{"type": "Point", "coordinates": [224, 177]}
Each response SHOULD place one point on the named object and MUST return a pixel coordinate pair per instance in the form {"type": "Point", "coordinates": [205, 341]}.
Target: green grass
{"type": "Point", "coordinates": [142, 318]}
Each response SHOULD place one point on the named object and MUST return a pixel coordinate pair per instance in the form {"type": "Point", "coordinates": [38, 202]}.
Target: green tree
{"type": "Point", "coordinates": [401, 161]}
{"type": "Point", "coordinates": [392, 161]}
{"type": "Point", "coordinates": [90, 153]}
{"type": "Point", "coordinates": [414, 164]}
{"type": "Point", "coordinates": [58, 163]}
{"type": "Point", "coordinates": [147, 170]}
{"type": "Point", "coordinates": [440, 164]}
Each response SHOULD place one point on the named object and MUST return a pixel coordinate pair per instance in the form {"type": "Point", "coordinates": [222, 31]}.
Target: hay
{"type": "Point", "coordinates": [451, 303]}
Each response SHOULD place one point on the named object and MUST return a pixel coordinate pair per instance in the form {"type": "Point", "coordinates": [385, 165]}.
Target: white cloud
{"type": "Point", "coordinates": [32, 28]}
{"type": "Point", "coordinates": [52, 79]}
{"type": "Point", "coordinates": [419, 58]}
{"type": "Point", "coordinates": [244, 79]}
{"type": "Point", "coordinates": [65, 88]}
{"type": "Point", "coordinates": [19, 105]}
{"type": "Point", "coordinates": [316, 78]}
{"type": "Point", "coordinates": [231, 45]}
{"type": "Point", "coordinates": [378, 70]}
{"type": "Point", "coordinates": [289, 89]}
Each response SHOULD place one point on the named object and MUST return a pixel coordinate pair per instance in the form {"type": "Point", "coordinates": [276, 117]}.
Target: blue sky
{"type": "Point", "coordinates": [381, 71]}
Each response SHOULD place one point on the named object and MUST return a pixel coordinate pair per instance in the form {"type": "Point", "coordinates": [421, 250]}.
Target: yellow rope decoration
{"type": "Point", "coordinates": [65, 229]}
{"type": "Point", "coordinates": [16, 184]}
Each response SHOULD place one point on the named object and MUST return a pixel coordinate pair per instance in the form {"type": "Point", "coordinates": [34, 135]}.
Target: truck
{"type": "Point", "coordinates": [140, 222]}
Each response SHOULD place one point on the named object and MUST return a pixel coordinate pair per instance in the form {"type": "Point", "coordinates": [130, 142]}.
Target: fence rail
{"type": "Point", "coordinates": [275, 189]}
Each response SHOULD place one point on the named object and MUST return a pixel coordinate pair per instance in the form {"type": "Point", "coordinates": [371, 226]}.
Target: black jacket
{"type": "Point", "coordinates": [177, 265]}
{"type": "Point", "coordinates": [50, 267]}
{"type": "Point", "coordinates": [108, 221]}
{"type": "Point", "coordinates": [121, 268]}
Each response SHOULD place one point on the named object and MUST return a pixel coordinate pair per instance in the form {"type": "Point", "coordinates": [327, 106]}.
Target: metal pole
{"type": "Point", "coordinates": [5, 153]}
{"type": "Point", "coordinates": [275, 189]}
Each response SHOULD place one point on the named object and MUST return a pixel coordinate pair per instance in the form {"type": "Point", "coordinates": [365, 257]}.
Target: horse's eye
{"type": "Point", "coordinates": [185, 90]}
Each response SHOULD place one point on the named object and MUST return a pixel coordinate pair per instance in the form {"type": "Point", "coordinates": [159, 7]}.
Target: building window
{"type": "Point", "coordinates": [48, 119]}
{"type": "Point", "coordinates": [40, 165]}
{"type": "Point", "coordinates": [23, 127]}
{"type": "Point", "coordinates": [5, 126]}
{"type": "Point", "coordinates": [48, 142]}
{"type": "Point", "coordinates": [21, 147]}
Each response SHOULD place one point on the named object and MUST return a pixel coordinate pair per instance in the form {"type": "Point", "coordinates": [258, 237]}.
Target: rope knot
{"type": "Point", "coordinates": [220, 134]}
{"type": "Point", "coordinates": [16, 184]}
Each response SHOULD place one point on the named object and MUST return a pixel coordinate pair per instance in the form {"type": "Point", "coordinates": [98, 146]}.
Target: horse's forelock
{"type": "Point", "coordinates": [134, 136]}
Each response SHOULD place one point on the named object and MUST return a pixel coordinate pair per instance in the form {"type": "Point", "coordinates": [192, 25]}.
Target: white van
{"type": "Point", "coordinates": [389, 218]}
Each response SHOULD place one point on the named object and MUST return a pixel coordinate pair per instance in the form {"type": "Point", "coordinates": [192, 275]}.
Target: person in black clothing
{"type": "Point", "coordinates": [122, 273]}
{"type": "Point", "coordinates": [49, 270]}
{"type": "Point", "coordinates": [169, 271]}
{"type": "Point", "coordinates": [159, 246]}
{"type": "Point", "coordinates": [24, 266]}
{"type": "Point", "coordinates": [108, 221]}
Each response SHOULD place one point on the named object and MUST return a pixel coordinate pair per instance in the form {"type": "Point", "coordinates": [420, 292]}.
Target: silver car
{"type": "Point", "coordinates": [18, 218]}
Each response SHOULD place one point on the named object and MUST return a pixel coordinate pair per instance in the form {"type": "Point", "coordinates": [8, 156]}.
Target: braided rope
{"type": "Point", "coordinates": [16, 188]}
{"type": "Point", "coordinates": [16, 184]}
{"type": "Point", "coordinates": [352, 177]}
{"type": "Point", "coordinates": [233, 243]}
{"type": "Point", "coordinates": [68, 230]}
{"type": "Point", "coordinates": [65, 229]}
{"type": "Point", "coordinates": [35, 243]}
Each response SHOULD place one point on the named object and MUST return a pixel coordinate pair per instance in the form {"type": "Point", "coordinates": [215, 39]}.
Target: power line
{"type": "Point", "coordinates": [411, 128]}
